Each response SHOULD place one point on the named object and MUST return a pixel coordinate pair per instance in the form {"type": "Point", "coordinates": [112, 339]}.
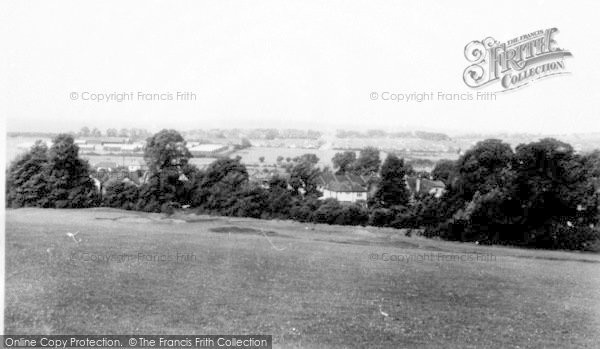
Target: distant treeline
{"type": "Point", "coordinates": [541, 194]}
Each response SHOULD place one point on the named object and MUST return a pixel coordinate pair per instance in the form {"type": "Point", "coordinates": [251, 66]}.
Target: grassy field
{"type": "Point", "coordinates": [307, 285]}
{"type": "Point", "coordinates": [252, 155]}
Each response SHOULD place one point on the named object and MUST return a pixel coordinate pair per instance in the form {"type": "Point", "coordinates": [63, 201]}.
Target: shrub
{"type": "Point", "coordinates": [120, 194]}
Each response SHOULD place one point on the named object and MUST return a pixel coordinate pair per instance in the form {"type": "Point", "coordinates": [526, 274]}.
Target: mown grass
{"type": "Point", "coordinates": [307, 285]}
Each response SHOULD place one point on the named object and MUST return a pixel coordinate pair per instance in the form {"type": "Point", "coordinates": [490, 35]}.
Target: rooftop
{"type": "Point", "coordinates": [343, 183]}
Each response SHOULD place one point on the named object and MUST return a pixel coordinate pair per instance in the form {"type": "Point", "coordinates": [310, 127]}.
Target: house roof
{"type": "Point", "coordinates": [265, 176]}
{"type": "Point", "coordinates": [123, 176]}
{"type": "Point", "coordinates": [102, 140]}
{"type": "Point", "coordinates": [343, 183]}
{"type": "Point", "coordinates": [106, 164]}
{"type": "Point", "coordinates": [425, 185]}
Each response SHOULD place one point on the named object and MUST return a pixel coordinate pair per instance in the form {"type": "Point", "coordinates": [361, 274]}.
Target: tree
{"type": "Point", "coordinates": [380, 217]}
{"type": "Point", "coordinates": [167, 158]}
{"type": "Point", "coordinates": [280, 199]}
{"type": "Point", "coordinates": [67, 176]}
{"type": "Point", "coordinates": [353, 214]}
{"type": "Point", "coordinates": [245, 143]}
{"type": "Point", "coordinates": [120, 194]}
{"type": "Point", "coordinates": [328, 211]}
{"type": "Point", "coordinates": [96, 133]}
{"type": "Point", "coordinates": [552, 181]}
{"type": "Point", "coordinates": [123, 132]}
{"type": "Point", "coordinates": [303, 175]}
{"type": "Point", "coordinates": [250, 201]}
{"type": "Point", "coordinates": [444, 171]}
{"type": "Point", "coordinates": [221, 181]}
{"type": "Point", "coordinates": [308, 158]}
{"type": "Point", "coordinates": [112, 132]}
{"type": "Point", "coordinates": [84, 132]}
{"type": "Point", "coordinates": [343, 162]}
{"type": "Point", "coordinates": [54, 177]}
{"type": "Point", "coordinates": [368, 161]}
{"type": "Point", "coordinates": [261, 159]}
{"type": "Point", "coordinates": [592, 163]}
{"type": "Point", "coordinates": [271, 134]}
{"type": "Point", "coordinates": [138, 133]}
{"type": "Point", "coordinates": [376, 133]}
{"type": "Point", "coordinates": [303, 209]}
{"type": "Point", "coordinates": [391, 190]}
{"type": "Point", "coordinates": [166, 149]}
{"type": "Point", "coordinates": [543, 195]}
{"type": "Point", "coordinates": [481, 168]}
{"type": "Point", "coordinates": [25, 181]}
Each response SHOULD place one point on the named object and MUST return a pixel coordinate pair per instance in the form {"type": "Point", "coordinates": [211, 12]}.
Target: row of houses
{"type": "Point", "coordinates": [109, 144]}
{"type": "Point", "coordinates": [109, 166]}
{"type": "Point", "coordinates": [118, 145]}
{"type": "Point", "coordinates": [348, 188]}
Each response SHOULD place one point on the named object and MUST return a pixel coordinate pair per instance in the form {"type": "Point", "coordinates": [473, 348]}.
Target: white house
{"type": "Point", "coordinates": [418, 185]}
{"type": "Point", "coordinates": [344, 188]}
{"type": "Point", "coordinates": [136, 166]}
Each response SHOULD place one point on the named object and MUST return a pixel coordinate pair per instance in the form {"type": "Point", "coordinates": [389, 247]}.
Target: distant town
{"type": "Point", "coordinates": [266, 153]}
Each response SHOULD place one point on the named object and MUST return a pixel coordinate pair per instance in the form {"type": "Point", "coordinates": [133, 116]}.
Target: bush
{"type": "Point", "coordinates": [120, 194]}
{"type": "Point", "coordinates": [565, 235]}
{"type": "Point", "coordinates": [353, 214]}
{"type": "Point", "coordinates": [328, 212]}
{"type": "Point", "coordinates": [402, 217]}
{"type": "Point", "coordinates": [251, 201]}
{"type": "Point", "coordinates": [381, 217]}
{"type": "Point", "coordinates": [303, 210]}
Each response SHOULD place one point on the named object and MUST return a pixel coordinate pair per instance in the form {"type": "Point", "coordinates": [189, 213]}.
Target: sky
{"type": "Point", "coordinates": [285, 64]}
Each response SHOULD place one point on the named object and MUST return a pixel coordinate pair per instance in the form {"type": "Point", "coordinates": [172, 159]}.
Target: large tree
{"type": "Point", "coordinates": [222, 180]}
{"type": "Point", "coordinates": [552, 181]}
{"type": "Point", "coordinates": [368, 161]}
{"type": "Point", "coordinates": [303, 177]}
{"type": "Point", "coordinates": [279, 197]}
{"type": "Point", "coordinates": [444, 171]}
{"type": "Point", "coordinates": [67, 176]}
{"type": "Point", "coordinates": [391, 189]}
{"type": "Point", "coordinates": [84, 132]}
{"type": "Point", "coordinates": [482, 167]}
{"type": "Point", "coordinates": [343, 162]}
{"type": "Point", "coordinates": [25, 181]}
{"type": "Point", "coordinates": [96, 133]}
{"type": "Point", "coordinates": [166, 150]}
{"type": "Point", "coordinates": [167, 158]}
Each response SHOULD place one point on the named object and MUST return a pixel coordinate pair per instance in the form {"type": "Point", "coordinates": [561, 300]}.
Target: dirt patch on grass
{"type": "Point", "coordinates": [251, 231]}
{"type": "Point", "coordinates": [549, 258]}
{"type": "Point", "coordinates": [201, 220]}
{"type": "Point", "coordinates": [141, 219]}
{"type": "Point", "coordinates": [400, 244]}
{"type": "Point", "coordinates": [114, 219]}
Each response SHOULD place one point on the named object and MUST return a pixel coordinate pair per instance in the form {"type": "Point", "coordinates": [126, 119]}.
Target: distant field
{"type": "Point", "coordinates": [252, 155]}
{"type": "Point", "coordinates": [308, 285]}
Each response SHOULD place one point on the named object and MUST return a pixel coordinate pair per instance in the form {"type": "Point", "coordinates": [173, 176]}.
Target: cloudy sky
{"type": "Point", "coordinates": [286, 64]}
